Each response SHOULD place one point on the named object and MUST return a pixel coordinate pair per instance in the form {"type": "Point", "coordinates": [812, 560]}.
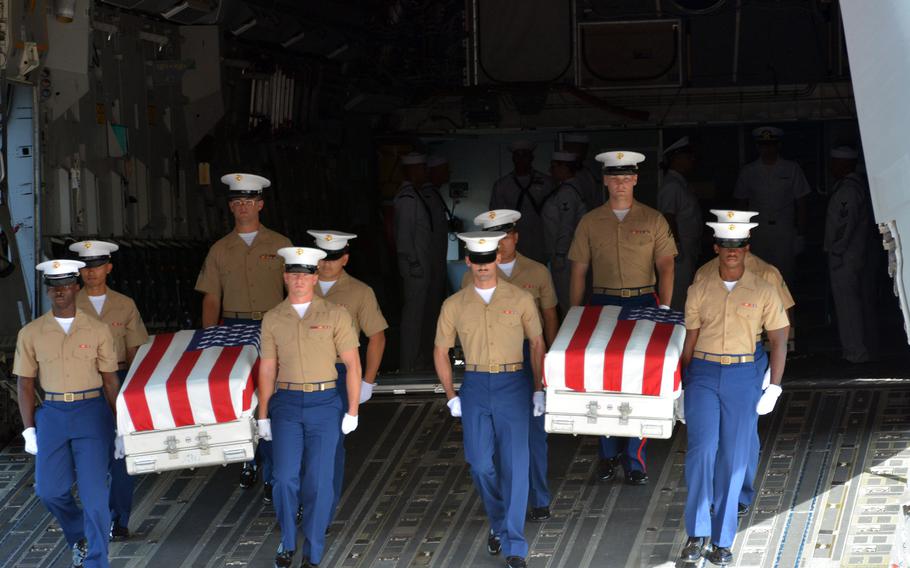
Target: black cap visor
{"type": "Point", "coordinates": [731, 243]}
{"type": "Point", "coordinates": [335, 254]}
{"type": "Point", "coordinates": [620, 170]}
{"type": "Point", "coordinates": [300, 268]}
{"type": "Point", "coordinates": [62, 280]}
{"type": "Point", "coordinates": [482, 257]}
{"type": "Point", "coordinates": [507, 228]}
{"type": "Point", "coordinates": [93, 261]}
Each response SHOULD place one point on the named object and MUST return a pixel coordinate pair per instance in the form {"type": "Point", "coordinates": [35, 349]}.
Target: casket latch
{"type": "Point", "coordinates": [593, 407]}
{"type": "Point", "coordinates": [171, 444]}
{"type": "Point", "coordinates": [625, 410]}
{"type": "Point", "coordinates": [203, 439]}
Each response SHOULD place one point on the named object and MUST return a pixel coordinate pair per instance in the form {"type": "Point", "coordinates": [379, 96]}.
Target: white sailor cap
{"type": "Point", "coordinates": [94, 253]}
{"type": "Point", "coordinates": [413, 159]}
{"type": "Point", "coordinates": [681, 144]}
{"type": "Point", "coordinates": [733, 216]}
{"type": "Point", "coordinates": [767, 134]}
{"type": "Point", "coordinates": [575, 138]}
{"type": "Point", "coordinates": [244, 185]}
{"type": "Point", "coordinates": [482, 245]}
{"type": "Point", "coordinates": [301, 259]}
{"type": "Point", "coordinates": [562, 156]}
{"type": "Point", "coordinates": [498, 220]}
{"type": "Point", "coordinates": [844, 153]}
{"type": "Point", "coordinates": [620, 162]}
{"type": "Point", "coordinates": [519, 145]}
{"type": "Point", "coordinates": [60, 272]}
{"type": "Point", "coordinates": [434, 161]}
{"type": "Point", "coordinates": [732, 235]}
{"type": "Point", "coordinates": [334, 243]}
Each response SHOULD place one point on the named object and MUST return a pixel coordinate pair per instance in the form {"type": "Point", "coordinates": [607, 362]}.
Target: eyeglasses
{"type": "Point", "coordinates": [243, 202]}
{"type": "Point", "coordinates": [622, 179]}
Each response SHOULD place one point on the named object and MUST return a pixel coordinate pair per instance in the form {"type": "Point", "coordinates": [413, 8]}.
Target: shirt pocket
{"type": "Point", "coordinates": [270, 261]}
{"type": "Point", "coordinates": [85, 351]}
{"type": "Point", "coordinates": [46, 355]}
{"type": "Point", "coordinates": [320, 333]}
{"type": "Point", "coordinates": [749, 313]}
{"type": "Point", "coordinates": [640, 238]}
{"type": "Point", "coordinates": [509, 320]}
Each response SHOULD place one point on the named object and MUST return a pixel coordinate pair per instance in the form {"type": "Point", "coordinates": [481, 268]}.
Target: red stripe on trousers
{"type": "Point", "coordinates": [251, 383]}
{"type": "Point", "coordinates": [220, 384]}
{"type": "Point", "coordinates": [177, 394]}
{"type": "Point", "coordinates": [575, 352]}
{"type": "Point", "coordinates": [655, 355]}
{"type": "Point", "coordinates": [614, 353]}
{"type": "Point", "coordinates": [134, 393]}
{"type": "Point", "coordinates": [641, 460]}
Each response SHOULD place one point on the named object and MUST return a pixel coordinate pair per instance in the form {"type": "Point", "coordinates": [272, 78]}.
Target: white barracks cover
{"type": "Point", "coordinates": [629, 350]}
{"type": "Point", "coordinates": [190, 377]}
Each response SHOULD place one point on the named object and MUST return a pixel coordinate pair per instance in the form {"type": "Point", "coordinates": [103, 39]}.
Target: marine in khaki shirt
{"type": "Point", "coordinates": [760, 268]}
{"type": "Point", "coordinates": [529, 275]}
{"type": "Point", "coordinates": [120, 314]}
{"type": "Point", "coordinates": [623, 253]}
{"type": "Point", "coordinates": [241, 276]}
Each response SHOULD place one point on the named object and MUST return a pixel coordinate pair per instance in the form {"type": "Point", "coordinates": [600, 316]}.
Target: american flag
{"type": "Point", "coordinates": [612, 349]}
{"type": "Point", "coordinates": [190, 377]}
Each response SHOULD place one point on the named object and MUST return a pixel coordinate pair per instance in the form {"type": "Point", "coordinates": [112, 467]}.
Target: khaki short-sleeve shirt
{"type": "Point", "coordinates": [491, 334]}
{"type": "Point", "coordinates": [246, 278]}
{"type": "Point", "coordinates": [529, 275]}
{"type": "Point", "coordinates": [728, 322]}
{"type": "Point", "coordinates": [622, 253]}
{"type": "Point", "coordinates": [359, 300]}
{"type": "Point", "coordinates": [62, 362]}
{"type": "Point", "coordinates": [306, 348]}
{"type": "Point", "coordinates": [767, 272]}
{"type": "Point", "coordinates": [119, 312]}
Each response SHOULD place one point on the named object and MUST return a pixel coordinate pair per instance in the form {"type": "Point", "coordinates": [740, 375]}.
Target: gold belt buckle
{"type": "Point", "coordinates": [69, 397]}
{"type": "Point", "coordinates": [625, 293]}
{"type": "Point", "coordinates": [726, 360]}
{"type": "Point", "coordinates": [493, 368]}
{"type": "Point", "coordinates": [255, 315]}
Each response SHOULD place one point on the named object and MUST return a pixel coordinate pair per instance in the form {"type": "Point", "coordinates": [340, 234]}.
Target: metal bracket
{"type": "Point", "coordinates": [203, 439]}
{"type": "Point", "coordinates": [625, 410]}
{"type": "Point", "coordinates": [171, 444]}
{"type": "Point", "coordinates": [593, 407]}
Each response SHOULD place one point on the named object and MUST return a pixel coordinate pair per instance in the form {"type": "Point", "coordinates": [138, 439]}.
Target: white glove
{"type": "Point", "coordinates": [664, 307]}
{"type": "Point", "coordinates": [540, 403]}
{"type": "Point", "coordinates": [767, 380]}
{"type": "Point", "coordinates": [768, 400]}
{"type": "Point", "coordinates": [679, 407]}
{"type": "Point", "coordinates": [119, 450]}
{"type": "Point", "coordinates": [348, 424]}
{"type": "Point", "coordinates": [366, 391]}
{"type": "Point", "coordinates": [454, 405]}
{"type": "Point", "coordinates": [31, 440]}
{"type": "Point", "coordinates": [264, 427]}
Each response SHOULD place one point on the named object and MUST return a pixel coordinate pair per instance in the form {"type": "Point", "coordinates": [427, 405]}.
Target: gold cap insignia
{"type": "Point", "coordinates": [619, 155]}
{"type": "Point", "coordinates": [88, 244]}
{"type": "Point", "coordinates": [732, 227]}
{"type": "Point", "coordinates": [766, 134]}
{"type": "Point", "coordinates": [238, 177]}
{"type": "Point", "coordinates": [56, 264]}
{"type": "Point", "coordinates": [328, 237]}
{"type": "Point", "coordinates": [299, 252]}
{"type": "Point", "coordinates": [482, 242]}
{"type": "Point", "coordinates": [492, 215]}
{"type": "Point", "coordinates": [730, 214]}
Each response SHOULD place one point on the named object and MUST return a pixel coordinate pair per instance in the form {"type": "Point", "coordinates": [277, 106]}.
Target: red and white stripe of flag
{"type": "Point", "coordinates": [169, 387]}
{"type": "Point", "coordinates": [594, 351]}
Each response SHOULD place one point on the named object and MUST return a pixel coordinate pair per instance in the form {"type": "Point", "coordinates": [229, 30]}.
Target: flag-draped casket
{"type": "Point", "coordinates": [615, 371]}
{"type": "Point", "coordinates": [188, 400]}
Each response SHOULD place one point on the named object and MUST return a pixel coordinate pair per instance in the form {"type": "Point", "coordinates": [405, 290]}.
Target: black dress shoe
{"type": "Point", "coordinates": [284, 558]}
{"type": "Point", "coordinates": [694, 549]}
{"type": "Point", "coordinates": [637, 478]}
{"type": "Point", "coordinates": [742, 510]}
{"type": "Point", "coordinates": [267, 493]}
{"type": "Point", "coordinates": [607, 469]}
{"type": "Point", "coordinates": [720, 556]}
{"type": "Point", "coordinates": [80, 551]}
{"type": "Point", "coordinates": [494, 545]}
{"type": "Point", "coordinates": [119, 532]}
{"type": "Point", "coordinates": [516, 562]}
{"type": "Point", "coordinates": [247, 476]}
{"type": "Point", "coordinates": [540, 513]}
